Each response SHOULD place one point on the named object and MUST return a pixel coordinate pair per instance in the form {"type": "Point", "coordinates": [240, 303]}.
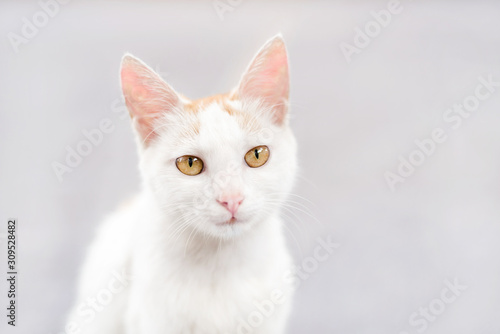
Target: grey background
{"type": "Point", "coordinates": [352, 122]}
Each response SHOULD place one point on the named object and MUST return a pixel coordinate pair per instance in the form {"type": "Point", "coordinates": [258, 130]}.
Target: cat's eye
{"type": "Point", "coordinates": [257, 156]}
{"type": "Point", "coordinates": [189, 165]}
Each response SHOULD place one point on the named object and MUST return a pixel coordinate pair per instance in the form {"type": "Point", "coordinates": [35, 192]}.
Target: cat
{"type": "Point", "coordinates": [201, 249]}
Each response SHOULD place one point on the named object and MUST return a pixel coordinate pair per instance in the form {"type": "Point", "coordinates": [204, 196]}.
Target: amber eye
{"type": "Point", "coordinates": [189, 165]}
{"type": "Point", "coordinates": [257, 156]}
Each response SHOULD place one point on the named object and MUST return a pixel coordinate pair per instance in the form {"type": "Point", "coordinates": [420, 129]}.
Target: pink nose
{"type": "Point", "coordinates": [231, 202]}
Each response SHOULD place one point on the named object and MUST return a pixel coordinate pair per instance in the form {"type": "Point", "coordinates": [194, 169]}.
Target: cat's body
{"type": "Point", "coordinates": [199, 251]}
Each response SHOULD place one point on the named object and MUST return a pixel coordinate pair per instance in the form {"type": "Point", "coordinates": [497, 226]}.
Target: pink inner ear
{"type": "Point", "coordinates": [267, 78]}
{"type": "Point", "coordinates": [135, 91]}
{"type": "Point", "coordinates": [147, 96]}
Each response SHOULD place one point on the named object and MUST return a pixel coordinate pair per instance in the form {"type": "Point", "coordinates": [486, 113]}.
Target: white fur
{"type": "Point", "coordinates": [188, 275]}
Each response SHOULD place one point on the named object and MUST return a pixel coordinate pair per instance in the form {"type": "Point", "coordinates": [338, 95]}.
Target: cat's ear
{"type": "Point", "coordinates": [267, 78]}
{"type": "Point", "coordinates": [147, 96]}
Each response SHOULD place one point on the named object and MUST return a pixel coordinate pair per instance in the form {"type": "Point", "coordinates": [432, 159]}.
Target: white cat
{"type": "Point", "coordinates": [201, 249]}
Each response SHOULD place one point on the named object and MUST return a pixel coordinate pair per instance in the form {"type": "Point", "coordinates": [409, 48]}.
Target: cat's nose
{"type": "Point", "coordinates": [231, 202]}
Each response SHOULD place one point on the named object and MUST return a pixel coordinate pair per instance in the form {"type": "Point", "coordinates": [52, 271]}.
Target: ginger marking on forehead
{"type": "Point", "coordinates": [221, 99]}
{"type": "Point", "coordinates": [225, 101]}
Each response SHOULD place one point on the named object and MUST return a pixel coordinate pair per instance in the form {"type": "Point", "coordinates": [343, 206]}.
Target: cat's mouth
{"type": "Point", "coordinates": [231, 221]}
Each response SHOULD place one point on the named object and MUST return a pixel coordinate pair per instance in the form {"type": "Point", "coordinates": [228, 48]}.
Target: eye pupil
{"type": "Point", "coordinates": [190, 161]}
{"type": "Point", "coordinates": [256, 153]}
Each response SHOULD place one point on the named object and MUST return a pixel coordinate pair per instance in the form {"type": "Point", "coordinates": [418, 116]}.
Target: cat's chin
{"type": "Point", "coordinates": [229, 222]}
{"type": "Point", "coordinates": [228, 229]}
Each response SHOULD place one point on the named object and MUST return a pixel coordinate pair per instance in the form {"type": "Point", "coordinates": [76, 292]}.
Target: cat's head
{"type": "Point", "coordinates": [220, 164]}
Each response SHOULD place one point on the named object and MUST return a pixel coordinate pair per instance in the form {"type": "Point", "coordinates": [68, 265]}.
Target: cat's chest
{"type": "Point", "coordinates": [211, 282]}
{"type": "Point", "coordinates": [207, 293]}
{"type": "Point", "coordinates": [206, 301]}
